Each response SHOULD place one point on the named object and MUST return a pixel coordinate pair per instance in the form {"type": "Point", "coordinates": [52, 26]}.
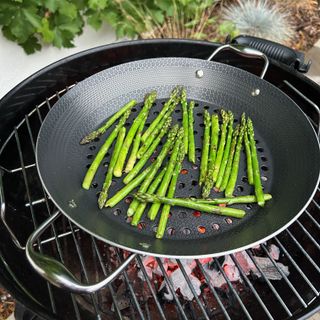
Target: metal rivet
{"type": "Point", "coordinates": [72, 204]}
{"type": "Point", "coordinates": [255, 92]}
{"type": "Point", "coordinates": [145, 245]}
{"type": "Point", "coordinates": [199, 73]}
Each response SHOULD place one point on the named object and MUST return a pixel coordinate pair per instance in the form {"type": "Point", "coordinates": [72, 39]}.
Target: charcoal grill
{"type": "Point", "coordinates": [24, 205]}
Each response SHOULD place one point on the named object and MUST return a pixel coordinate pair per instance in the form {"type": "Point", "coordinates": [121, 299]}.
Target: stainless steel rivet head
{"type": "Point", "coordinates": [199, 73]}
{"type": "Point", "coordinates": [255, 92]}
{"type": "Point", "coordinates": [72, 204]}
{"type": "Point", "coordinates": [145, 245]}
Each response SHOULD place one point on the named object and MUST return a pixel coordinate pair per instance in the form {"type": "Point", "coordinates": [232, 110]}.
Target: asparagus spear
{"type": "Point", "coordinates": [149, 99]}
{"type": "Point", "coordinates": [225, 119]}
{"type": "Point", "coordinates": [208, 182]}
{"type": "Point", "coordinates": [184, 105]}
{"type": "Point", "coordinates": [173, 100]}
{"type": "Point", "coordinates": [248, 154]}
{"type": "Point", "coordinates": [136, 144]}
{"type": "Point", "coordinates": [205, 147]}
{"type": "Point", "coordinates": [230, 159]}
{"type": "Point", "coordinates": [187, 203]}
{"type": "Point", "coordinates": [235, 164]}
{"type": "Point", "coordinates": [97, 133]}
{"type": "Point", "coordinates": [214, 138]}
{"type": "Point", "coordinates": [167, 177]}
{"type": "Point", "coordinates": [192, 151]}
{"type": "Point", "coordinates": [172, 188]}
{"type": "Point", "coordinates": [255, 166]}
{"type": "Point", "coordinates": [232, 200]}
{"type": "Point", "coordinates": [143, 149]}
{"type": "Point", "coordinates": [142, 205]}
{"type": "Point", "coordinates": [226, 153]}
{"type": "Point", "coordinates": [148, 153]}
{"type": "Point", "coordinates": [122, 193]}
{"type": "Point", "coordinates": [107, 183]}
{"type": "Point", "coordinates": [102, 152]}
{"type": "Point", "coordinates": [157, 164]}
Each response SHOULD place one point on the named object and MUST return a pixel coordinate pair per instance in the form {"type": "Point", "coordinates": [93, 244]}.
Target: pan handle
{"type": "Point", "coordinates": [246, 52]}
{"type": "Point", "coordinates": [55, 272]}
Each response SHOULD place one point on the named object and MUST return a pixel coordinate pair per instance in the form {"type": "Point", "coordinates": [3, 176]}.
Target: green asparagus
{"type": "Point", "coordinates": [226, 153]}
{"type": "Point", "coordinates": [102, 152]}
{"type": "Point", "coordinates": [235, 164]}
{"type": "Point", "coordinates": [149, 100]}
{"type": "Point", "coordinates": [97, 133]}
{"type": "Point", "coordinates": [139, 165]}
{"type": "Point", "coordinates": [173, 101]}
{"type": "Point", "coordinates": [170, 194]}
{"type": "Point", "coordinates": [232, 200]}
{"type": "Point", "coordinates": [208, 182]}
{"type": "Point", "coordinates": [167, 177]}
{"type": "Point", "coordinates": [136, 144]}
{"type": "Point", "coordinates": [107, 183]}
{"type": "Point", "coordinates": [205, 147]}
{"type": "Point", "coordinates": [187, 203]}
{"type": "Point", "coordinates": [142, 205]}
{"type": "Point", "coordinates": [230, 159]}
{"type": "Point", "coordinates": [157, 164]}
{"type": "Point", "coordinates": [154, 134]}
{"type": "Point", "coordinates": [255, 165]}
{"type": "Point", "coordinates": [248, 155]}
{"type": "Point", "coordinates": [192, 150]}
{"type": "Point", "coordinates": [217, 164]}
{"type": "Point", "coordinates": [122, 193]}
{"type": "Point", "coordinates": [184, 105]}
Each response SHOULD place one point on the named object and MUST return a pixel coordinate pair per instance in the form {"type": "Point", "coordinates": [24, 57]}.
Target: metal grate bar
{"type": "Point", "coordinates": [142, 268]}
{"type": "Point", "coordinates": [213, 290]}
{"type": "Point", "coordinates": [192, 288]}
{"type": "Point", "coordinates": [243, 275]}
{"type": "Point", "coordinates": [284, 276]}
{"type": "Point", "coordinates": [83, 268]}
{"type": "Point", "coordinates": [313, 219]}
{"type": "Point", "coordinates": [53, 306]}
{"type": "Point", "coordinates": [32, 165]}
{"type": "Point", "coordinates": [171, 288]}
{"type": "Point", "coordinates": [56, 237]}
{"type": "Point", "coordinates": [126, 278]}
{"type": "Point", "coordinates": [315, 202]}
{"type": "Point", "coordinates": [272, 288]}
{"type": "Point", "coordinates": [305, 253]}
{"type": "Point", "coordinates": [104, 270]}
{"type": "Point", "coordinates": [314, 241]}
{"type": "Point", "coordinates": [233, 290]}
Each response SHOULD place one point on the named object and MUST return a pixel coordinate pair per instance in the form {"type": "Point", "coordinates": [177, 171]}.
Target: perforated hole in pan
{"type": "Point", "coordinates": [187, 223]}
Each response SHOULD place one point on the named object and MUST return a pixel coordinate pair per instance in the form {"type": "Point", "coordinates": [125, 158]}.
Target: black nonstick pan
{"type": "Point", "coordinates": [287, 144]}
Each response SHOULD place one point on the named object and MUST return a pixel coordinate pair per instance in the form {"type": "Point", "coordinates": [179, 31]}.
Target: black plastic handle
{"type": "Point", "coordinates": [275, 51]}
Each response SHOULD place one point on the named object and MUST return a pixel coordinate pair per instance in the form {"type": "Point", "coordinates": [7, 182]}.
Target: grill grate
{"type": "Point", "coordinates": [92, 260]}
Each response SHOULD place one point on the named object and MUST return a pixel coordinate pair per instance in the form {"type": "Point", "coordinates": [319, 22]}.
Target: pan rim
{"type": "Point", "coordinates": [148, 252]}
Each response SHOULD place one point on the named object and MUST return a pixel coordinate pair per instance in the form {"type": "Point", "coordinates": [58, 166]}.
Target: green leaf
{"type": "Point", "coordinates": [45, 31]}
{"type": "Point", "coordinates": [110, 17]}
{"type": "Point", "coordinates": [95, 21]}
{"type": "Point", "coordinates": [32, 17]}
{"type": "Point", "coordinates": [158, 16]}
{"type": "Point", "coordinates": [97, 4]}
{"type": "Point", "coordinates": [68, 9]}
{"type": "Point", "coordinates": [31, 45]}
{"type": "Point", "coordinates": [51, 5]}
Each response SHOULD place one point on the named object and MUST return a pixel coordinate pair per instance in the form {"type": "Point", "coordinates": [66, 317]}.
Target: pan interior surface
{"type": "Point", "coordinates": [287, 147]}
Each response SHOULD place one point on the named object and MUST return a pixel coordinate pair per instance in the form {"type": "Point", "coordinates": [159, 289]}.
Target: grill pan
{"type": "Point", "coordinates": [287, 145]}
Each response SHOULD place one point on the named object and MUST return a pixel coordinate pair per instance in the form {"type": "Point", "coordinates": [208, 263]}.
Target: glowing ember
{"type": "Point", "coordinates": [197, 213]}
{"type": "Point", "coordinates": [217, 278]}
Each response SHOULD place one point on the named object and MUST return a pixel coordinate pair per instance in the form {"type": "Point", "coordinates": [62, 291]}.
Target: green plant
{"type": "Point", "coordinates": [34, 23]}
